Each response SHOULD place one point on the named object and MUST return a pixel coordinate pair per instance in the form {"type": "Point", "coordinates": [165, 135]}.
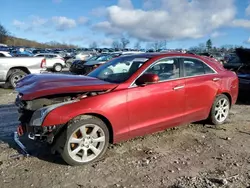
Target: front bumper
{"type": "Point", "coordinates": [19, 143]}
{"type": "Point", "coordinates": [38, 71]}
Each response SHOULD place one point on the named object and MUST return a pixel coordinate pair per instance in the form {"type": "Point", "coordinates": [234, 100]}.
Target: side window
{"type": "Point", "coordinates": [194, 67]}
{"type": "Point", "coordinates": [208, 70]}
{"type": "Point", "coordinates": [39, 55]}
{"type": "Point", "coordinates": [166, 69]}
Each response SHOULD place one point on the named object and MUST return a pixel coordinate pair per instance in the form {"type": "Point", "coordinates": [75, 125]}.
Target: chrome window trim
{"type": "Point", "coordinates": [133, 85]}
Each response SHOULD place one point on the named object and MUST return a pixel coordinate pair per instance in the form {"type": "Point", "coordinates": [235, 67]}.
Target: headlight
{"type": "Point", "coordinates": [40, 114]}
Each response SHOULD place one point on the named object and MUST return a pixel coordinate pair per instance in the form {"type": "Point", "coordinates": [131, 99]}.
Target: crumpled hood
{"type": "Point", "coordinates": [38, 85]}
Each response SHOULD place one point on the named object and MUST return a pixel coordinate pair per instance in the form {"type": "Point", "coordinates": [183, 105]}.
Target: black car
{"type": "Point", "coordinates": [84, 67]}
{"type": "Point", "coordinates": [241, 65]}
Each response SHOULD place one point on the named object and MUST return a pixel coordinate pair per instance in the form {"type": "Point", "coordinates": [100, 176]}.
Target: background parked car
{"type": "Point", "coordinates": [240, 63]}
{"type": "Point", "coordinates": [84, 67]}
{"type": "Point", "coordinates": [13, 69]}
{"type": "Point", "coordinates": [83, 56]}
{"type": "Point", "coordinates": [5, 54]}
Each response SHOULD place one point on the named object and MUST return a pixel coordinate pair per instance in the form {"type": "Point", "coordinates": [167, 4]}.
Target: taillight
{"type": "Point", "coordinates": [43, 63]}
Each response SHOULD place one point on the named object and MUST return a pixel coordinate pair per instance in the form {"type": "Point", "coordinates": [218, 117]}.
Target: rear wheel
{"type": "Point", "coordinates": [16, 76]}
{"type": "Point", "coordinates": [58, 67]}
{"type": "Point", "coordinates": [86, 141]}
{"type": "Point", "coordinates": [220, 110]}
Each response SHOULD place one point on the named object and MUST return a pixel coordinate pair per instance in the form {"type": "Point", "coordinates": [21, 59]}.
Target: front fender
{"type": "Point", "coordinates": [112, 106]}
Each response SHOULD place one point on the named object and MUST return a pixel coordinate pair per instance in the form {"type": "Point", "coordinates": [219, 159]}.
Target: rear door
{"type": "Point", "coordinates": [201, 85]}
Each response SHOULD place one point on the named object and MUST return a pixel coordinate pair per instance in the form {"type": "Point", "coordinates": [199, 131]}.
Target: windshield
{"type": "Point", "coordinates": [118, 70]}
{"type": "Point", "coordinates": [93, 58]}
{"type": "Point", "coordinates": [104, 58]}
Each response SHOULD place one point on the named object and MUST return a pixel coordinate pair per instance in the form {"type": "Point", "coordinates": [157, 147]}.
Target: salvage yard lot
{"type": "Point", "coordinates": [194, 155]}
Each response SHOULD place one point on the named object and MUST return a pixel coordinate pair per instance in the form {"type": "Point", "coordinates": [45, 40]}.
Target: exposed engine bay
{"type": "Point", "coordinates": [55, 99]}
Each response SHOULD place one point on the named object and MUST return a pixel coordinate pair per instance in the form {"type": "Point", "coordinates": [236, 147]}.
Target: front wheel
{"type": "Point", "coordinates": [220, 110]}
{"type": "Point", "coordinates": [86, 141]}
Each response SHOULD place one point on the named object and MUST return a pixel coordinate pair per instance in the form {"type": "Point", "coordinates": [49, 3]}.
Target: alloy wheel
{"type": "Point", "coordinates": [222, 110]}
{"type": "Point", "coordinates": [86, 143]}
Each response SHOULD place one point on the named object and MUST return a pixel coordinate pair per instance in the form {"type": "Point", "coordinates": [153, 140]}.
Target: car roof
{"type": "Point", "coordinates": [161, 55]}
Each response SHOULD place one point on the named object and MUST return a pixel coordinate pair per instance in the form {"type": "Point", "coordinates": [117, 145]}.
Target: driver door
{"type": "Point", "coordinates": [160, 105]}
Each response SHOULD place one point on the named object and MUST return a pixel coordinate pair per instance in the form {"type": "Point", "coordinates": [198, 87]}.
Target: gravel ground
{"type": "Point", "coordinates": [192, 156]}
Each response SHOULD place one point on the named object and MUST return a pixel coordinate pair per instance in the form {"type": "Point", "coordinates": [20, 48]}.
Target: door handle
{"type": "Point", "coordinates": [178, 87]}
{"type": "Point", "coordinates": [216, 79]}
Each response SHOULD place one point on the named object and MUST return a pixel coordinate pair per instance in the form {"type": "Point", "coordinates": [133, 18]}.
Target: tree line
{"type": "Point", "coordinates": [7, 38]}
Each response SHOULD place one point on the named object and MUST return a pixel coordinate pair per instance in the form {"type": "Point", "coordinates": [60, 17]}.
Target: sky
{"type": "Point", "coordinates": [182, 23]}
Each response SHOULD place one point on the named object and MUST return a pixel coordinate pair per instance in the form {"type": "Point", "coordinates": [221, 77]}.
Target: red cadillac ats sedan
{"type": "Point", "coordinates": [126, 97]}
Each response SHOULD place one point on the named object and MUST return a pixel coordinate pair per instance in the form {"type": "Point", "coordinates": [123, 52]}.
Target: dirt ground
{"type": "Point", "coordinates": [192, 156]}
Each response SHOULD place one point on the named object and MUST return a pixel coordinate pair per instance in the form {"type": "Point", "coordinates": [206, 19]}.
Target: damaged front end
{"type": "Point", "coordinates": [32, 114]}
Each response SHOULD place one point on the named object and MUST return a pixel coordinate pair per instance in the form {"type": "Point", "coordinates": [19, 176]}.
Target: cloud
{"type": "Point", "coordinates": [241, 23]}
{"type": "Point", "coordinates": [107, 28]}
{"type": "Point", "coordinates": [60, 23]}
{"type": "Point", "coordinates": [150, 4]}
{"type": "Point", "coordinates": [82, 20]}
{"type": "Point", "coordinates": [126, 4]}
{"type": "Point", "coordinates": [63, 23]}
{"type": "Point", "coordinates": [217, 34]}
{"type": "Point", "coordinates": [18, 24]}
{"type": "Point", "coordinates": [173, 20]}
{"type": "Point", "coordinates": [38, 21]}
{"type": "Point", "coordinates": [99, 12]}
{"type": "Point", "coordinates": [247, 41]}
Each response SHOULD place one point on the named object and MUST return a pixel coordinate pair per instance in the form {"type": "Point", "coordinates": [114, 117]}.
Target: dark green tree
{"type": "Point", "coordinates": [3, 34]}
{"type": "Point", "coordinates": [209, 45]}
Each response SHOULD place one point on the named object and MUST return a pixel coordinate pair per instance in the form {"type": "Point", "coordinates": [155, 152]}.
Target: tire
{"type": "Point", "coordinates": [218, 108]}
{"type": "Point", "coordinates": [85, 144]}
{"type": "Point", "coordinates": [15, 76]}
{"type": "Point", "coordinates": [57, 67]}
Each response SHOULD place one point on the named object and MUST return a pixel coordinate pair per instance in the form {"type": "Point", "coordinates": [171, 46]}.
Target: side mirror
{"type": "Point", "coordinates": [147, 79]}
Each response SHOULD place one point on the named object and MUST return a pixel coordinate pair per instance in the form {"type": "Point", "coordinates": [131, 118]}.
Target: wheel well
{"type": "Point", "coordinates": [104, 119]}
{"type": "Point", "coordinates": [58, 64]}
{"type": "Point", "coordinates": [24, 69]}
{"type": "Point", "coordinates": [107, 122]}
{"type": "Point", "coordinates": [229, 97]}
